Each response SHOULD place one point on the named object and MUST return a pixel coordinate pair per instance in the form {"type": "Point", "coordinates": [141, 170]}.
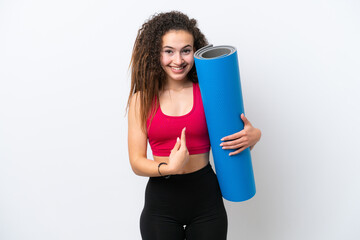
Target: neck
{"type": "Point", "coordinates": [177, 85]}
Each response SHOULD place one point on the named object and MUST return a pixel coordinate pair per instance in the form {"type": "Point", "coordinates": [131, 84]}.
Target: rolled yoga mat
{"type": "Point", "coordinates": [219, 80]}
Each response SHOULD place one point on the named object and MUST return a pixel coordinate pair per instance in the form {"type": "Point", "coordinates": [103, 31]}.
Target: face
{"type": "Point", "coordinates": [177, 54]}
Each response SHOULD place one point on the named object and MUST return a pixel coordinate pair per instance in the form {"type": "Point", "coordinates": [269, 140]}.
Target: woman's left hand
{"type": "Point", "coordinates": [247, 137]}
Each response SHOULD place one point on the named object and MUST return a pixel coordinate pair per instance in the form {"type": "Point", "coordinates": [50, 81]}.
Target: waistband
{"type": "Point", "coordinates": [186, 176]}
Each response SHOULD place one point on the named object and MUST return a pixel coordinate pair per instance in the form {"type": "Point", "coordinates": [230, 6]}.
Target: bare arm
{"type": "Point", "coordinates": [137, 143]}
{"type": "Point", "coordinates": [137, 146]}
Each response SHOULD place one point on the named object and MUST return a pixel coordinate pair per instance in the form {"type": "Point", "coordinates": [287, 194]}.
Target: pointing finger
{"type": "Point", "coordinates": [183, 138]}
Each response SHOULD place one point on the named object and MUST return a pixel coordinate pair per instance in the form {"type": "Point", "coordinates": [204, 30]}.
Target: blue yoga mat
{"type": "Point", "coordinates": [219, 80]}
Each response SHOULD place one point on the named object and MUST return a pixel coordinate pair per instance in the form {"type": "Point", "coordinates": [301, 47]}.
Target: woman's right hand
{"type": "Point", "coordinates": [179, 155]}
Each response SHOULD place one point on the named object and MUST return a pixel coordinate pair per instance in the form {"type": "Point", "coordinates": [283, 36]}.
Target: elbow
{"type": "Point", "coordinates": [135, 169]}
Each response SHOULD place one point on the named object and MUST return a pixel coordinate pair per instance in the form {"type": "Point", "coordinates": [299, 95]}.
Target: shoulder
{"type": "Point", "coordinates": [135, 96]}
{"type": "Point", "coordinates": [135, 103]}
{"type": "Point", "coordinates": [135, 99]}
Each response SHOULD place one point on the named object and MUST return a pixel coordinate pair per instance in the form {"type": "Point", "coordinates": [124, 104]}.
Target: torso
{"type": "Point", "coordinates": [179, 103]}
{"type": "Point", "coordinates": [196, 162]}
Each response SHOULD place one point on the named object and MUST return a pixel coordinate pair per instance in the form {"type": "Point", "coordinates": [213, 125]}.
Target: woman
{"type": "Point", "coordinates": [182, 198]}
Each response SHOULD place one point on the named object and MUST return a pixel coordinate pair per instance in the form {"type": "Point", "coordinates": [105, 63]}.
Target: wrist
{"type": "Point", "coordinates": [164, 170]}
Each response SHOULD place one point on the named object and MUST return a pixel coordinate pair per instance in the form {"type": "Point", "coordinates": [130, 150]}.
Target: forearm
{"type": "Point", "coordinates": [149, 168]}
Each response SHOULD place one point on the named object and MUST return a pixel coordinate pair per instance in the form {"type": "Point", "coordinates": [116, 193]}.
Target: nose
{"type": "Point", "coordinates": [177, 59]}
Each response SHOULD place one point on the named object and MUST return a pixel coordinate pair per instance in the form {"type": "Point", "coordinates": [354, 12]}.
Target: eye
{"type": "Point", "coordinates": [186, 51]}
{"type": "Point", "coordinates": [168, 51]}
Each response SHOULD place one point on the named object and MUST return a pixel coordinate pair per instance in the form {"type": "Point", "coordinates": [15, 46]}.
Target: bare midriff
{"type": "Point", "coordinates": [196, 162]}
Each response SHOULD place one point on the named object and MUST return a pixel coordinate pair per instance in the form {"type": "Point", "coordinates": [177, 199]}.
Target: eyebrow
{"type": "Point", "coordinates": [173, 48]}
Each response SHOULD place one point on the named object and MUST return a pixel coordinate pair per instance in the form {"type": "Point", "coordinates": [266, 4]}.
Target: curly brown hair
{"type": "Point", "coordinates": [147, 76]}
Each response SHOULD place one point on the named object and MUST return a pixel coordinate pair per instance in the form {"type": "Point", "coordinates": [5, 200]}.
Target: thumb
{"type": "Point", "coordinates": [177, 144]}
{"type": "Point", "coordinates": [245, 120]}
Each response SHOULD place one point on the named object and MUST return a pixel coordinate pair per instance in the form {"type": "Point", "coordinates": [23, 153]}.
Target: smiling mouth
{"type": "Point", "coordinates": [178, 68]}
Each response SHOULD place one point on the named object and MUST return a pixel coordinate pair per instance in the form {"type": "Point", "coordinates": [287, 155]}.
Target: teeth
{"type": "Point", "coordinates": [177, 68]}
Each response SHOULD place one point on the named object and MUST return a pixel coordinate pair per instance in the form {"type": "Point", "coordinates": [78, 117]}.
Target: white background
{"type": "Point", "coordinates": [64, 168]}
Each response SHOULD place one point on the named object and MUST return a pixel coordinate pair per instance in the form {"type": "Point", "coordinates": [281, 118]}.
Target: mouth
{"type": "Point", "coordinates": [178, 68]}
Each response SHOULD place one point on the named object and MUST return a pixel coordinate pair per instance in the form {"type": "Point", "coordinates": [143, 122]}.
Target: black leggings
{"type": "Point", "coordinates": [186, 206]}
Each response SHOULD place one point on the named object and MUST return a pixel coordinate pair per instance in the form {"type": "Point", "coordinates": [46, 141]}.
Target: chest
{"type": "Point", "coordinates": [165, 128]}
{"type": "Point", "coordinates": [174, 103]}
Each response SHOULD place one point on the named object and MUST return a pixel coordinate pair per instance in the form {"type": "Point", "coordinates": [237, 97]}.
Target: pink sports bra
{"type": "Point", "coordinates": [165, 129]}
